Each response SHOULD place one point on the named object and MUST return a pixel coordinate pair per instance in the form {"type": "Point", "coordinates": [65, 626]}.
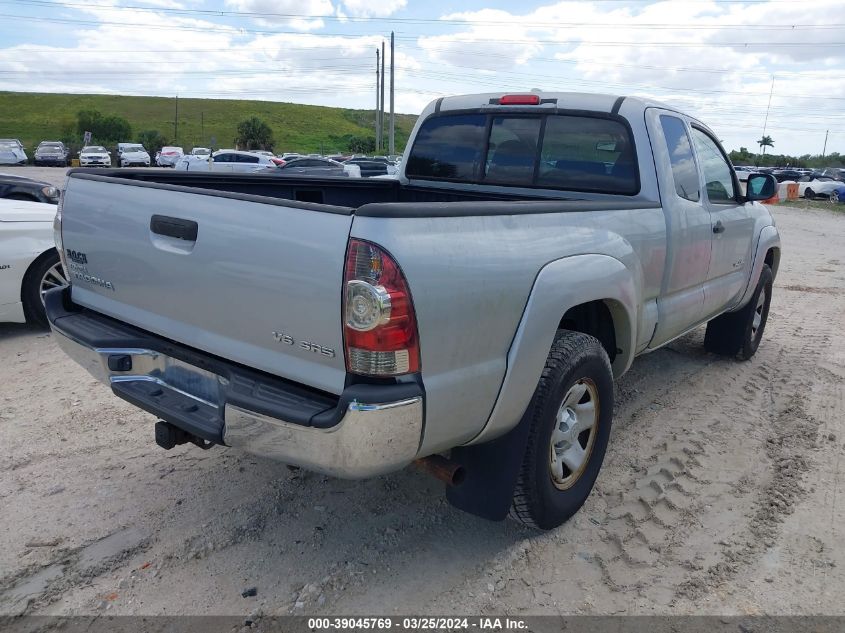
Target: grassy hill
{"type": "Point", "coordinates": [34, 117]}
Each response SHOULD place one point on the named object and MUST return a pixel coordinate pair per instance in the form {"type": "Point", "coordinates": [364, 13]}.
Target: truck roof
{"type": "Point", "coordinates": [564, 100]}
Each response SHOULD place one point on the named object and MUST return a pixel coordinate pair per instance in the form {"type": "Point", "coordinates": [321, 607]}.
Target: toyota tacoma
{"type": "Point", "coordinates": [468, 316]}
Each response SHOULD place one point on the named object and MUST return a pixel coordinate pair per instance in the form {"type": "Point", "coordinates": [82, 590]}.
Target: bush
{"type": "Point", "coordinates": [153, 141]}
{"type": "Point", "coordinates": [104, 129]}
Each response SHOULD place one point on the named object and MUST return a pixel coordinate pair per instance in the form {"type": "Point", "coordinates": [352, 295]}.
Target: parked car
{"type": "Point", "coordinates": [369, 167]}
{"type": "Point", "coordinates": [203, 152]}
{"type": "Point", "coordinates": [12, 152]}
{"type": "Point", "coordinates": [21, 188]}
{"type": "Point", "coordinates": [742, 174]}
{"type": "Point", "coordinates": [482, 304]}
{"type": "Point", "coordinates": [227, 161]}
{"type": "Point", "coordinates": [94, 156]}
{"type": "Point", "coordinates": [29, 262]}
{"type": "Point", "coordinates": [51, 153]}
{"type": "Point", "coordinates": [132, 155]}
{"type": "Point", "coordinates": [837, 196]}
{"type": "Point", "coordinates": [782, 175]}
{"type": "Point", "coordinates": [311, 166]}
{"type": "Point", "coordinates": [812, 186]}
{"type": "Point", "coordinates": [836, 173]}
{"type": "Point", "coordinates": [169, 156]}
{"type": "Point", "coordinates": [262, 152]}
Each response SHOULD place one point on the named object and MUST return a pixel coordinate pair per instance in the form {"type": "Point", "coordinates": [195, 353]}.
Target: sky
{"type": "Point", "coordinates": [738, 65]}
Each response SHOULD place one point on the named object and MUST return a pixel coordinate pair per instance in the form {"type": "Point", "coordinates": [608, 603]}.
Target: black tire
{"type": "Point", "coordinates": [736, 333]}
{"type": "Point", "coordinates": [33, 306]}
{"type": "Point", "coordinates": [575, 359]}
{"type": "Point", "coordinates": [809, 194]}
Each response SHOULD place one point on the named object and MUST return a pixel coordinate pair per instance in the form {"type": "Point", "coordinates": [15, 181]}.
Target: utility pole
{"type": "Point", "coordinates": [824, 150]}
{"type": "Point", "coordinates": [391, 146]}
{"type": "Point", "coordinates": [381, 120]}
{"type": "Point", "coordinates": [766, 120]}
{"type": "Point", "coordinates": [176, 122]}
{"type": "Point", "coordinates": [378, 102]}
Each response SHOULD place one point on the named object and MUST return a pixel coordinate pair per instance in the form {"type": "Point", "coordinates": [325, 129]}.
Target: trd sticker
{"type": "Point", "coordinates": [5, 266]}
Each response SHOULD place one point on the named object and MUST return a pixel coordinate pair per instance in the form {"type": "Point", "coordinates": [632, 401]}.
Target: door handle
{"type": "Point", "coordinates": [718, 227]}
{"type": "Point", "coordinates": [174, 227]}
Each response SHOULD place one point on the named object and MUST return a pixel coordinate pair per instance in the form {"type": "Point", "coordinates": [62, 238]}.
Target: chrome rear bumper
{"type": "Point", "coordinates": [370, 438]}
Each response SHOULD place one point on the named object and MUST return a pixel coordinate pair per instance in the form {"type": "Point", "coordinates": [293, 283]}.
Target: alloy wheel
{"type": "Point", "coordinates": [53, 278]}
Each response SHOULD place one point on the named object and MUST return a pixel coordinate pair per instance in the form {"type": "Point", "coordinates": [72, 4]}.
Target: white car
{"type": "Point", "coordinates": [204, 152]}
{"type": "Point", "coordinates": [229, 161]}
{"type": "Point", "coordinates": [12, 152]}
{"type": "Point", "coordinates": [132, 154]}
{"type": "Point", "coordinates": [811, 186]}
{"type": "Point", "coordinates": [94, 156]}
{"type": "Point", "coordinates": [169, 156]}
{"type": "Point", "coordinates": [29, 262]}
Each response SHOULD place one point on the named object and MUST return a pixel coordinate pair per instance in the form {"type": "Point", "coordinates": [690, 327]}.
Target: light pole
{"type": "Point", "coordinates": [391, 146]}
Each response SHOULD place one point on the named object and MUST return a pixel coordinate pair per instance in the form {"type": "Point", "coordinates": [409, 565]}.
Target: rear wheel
{"type": "Point", "coordinates": [809, 194]}
{"type": "Point", "coordinates": [739, 333]}
{"type": "Point", "coordinates": [834, 197]}
{"type": "Point", "coordinates": [44, 274]}
{"type": "Point", "coordinates": [570, 417]}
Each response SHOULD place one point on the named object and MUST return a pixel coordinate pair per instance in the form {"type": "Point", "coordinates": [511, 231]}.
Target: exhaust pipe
{"type": "Point", "coordinates": [449, 472]}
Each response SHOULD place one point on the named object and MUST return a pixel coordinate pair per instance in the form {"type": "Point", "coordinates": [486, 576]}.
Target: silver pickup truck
{"type": "Point", "coordinates": [479, 305]}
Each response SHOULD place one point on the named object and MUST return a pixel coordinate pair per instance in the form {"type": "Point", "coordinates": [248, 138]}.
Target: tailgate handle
{"type": "Point", "coordinates": [174, 227]}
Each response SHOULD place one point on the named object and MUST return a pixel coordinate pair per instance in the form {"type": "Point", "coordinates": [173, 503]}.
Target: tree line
{"type": "Point", "coordinates": [762, 159]}
{"type": "Point", "coordinates": [252, 134]}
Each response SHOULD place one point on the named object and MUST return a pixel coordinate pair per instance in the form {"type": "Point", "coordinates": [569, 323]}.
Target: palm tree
{"type": "Point", "coordinates": [765, 142]}
{"type": "Point", "coordinates": [253, 133]}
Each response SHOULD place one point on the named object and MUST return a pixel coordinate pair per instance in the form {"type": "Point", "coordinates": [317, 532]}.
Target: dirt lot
{"type": "Point", "coordinates": [720, 494]}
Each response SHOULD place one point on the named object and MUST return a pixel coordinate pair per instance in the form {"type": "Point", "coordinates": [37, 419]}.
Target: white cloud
{"type": "Point", "coordinates": [605, 47]}
{"type": "Point", "coordinates": [275, 12]}
{"type": "Point", "coordinates": [372, 8]}
{"type": "Point", "coordinates": [496, 40]}
{"type": "Point", "coordinates": [665, 50]}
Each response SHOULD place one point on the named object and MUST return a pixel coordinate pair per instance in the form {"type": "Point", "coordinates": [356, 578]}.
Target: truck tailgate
{"type": "Point", "coordinates": [258, 283]}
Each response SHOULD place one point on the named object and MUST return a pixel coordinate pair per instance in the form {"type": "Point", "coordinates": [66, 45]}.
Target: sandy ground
{"type": "Point", "coordinates": [722, 493]}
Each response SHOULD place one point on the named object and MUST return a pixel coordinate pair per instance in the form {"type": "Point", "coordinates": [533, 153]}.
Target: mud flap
{"type": "Point", "coordinates": [491, 472]}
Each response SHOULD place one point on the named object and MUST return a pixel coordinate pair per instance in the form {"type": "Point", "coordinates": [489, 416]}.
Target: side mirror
{"type": "Point", "coordinates": [760, 187]}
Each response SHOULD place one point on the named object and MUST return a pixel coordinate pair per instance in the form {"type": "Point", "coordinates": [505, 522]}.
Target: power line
{"type": "Point", "coordinates": [235, 31]}
{"type": "Point", "coordinates": [135, 52]}
{"type": "Point", "coordinates": [421, 21]}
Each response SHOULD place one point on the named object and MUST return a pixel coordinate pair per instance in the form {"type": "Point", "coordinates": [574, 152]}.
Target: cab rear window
{"type": "Point", "coordinates": [555, 151]}
{"type": "Point", "coordinates": [449, 147]}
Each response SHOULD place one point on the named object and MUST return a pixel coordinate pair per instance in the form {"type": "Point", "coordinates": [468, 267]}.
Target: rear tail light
{"type": "Point", "coordinates": [278, 162]}
{"type": "Point", "coordinates": [380, 327]}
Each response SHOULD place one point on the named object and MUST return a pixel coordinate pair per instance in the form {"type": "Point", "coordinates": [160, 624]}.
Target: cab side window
{"type": "Point", "coordinates": [714, 166]}
{"type": "Point", "coordinates": [684, 172]}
